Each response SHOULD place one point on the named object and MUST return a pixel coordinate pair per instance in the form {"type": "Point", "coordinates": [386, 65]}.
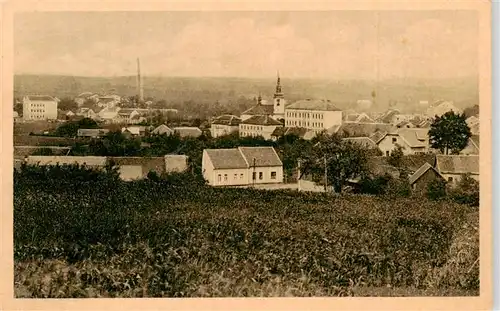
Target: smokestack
{"type": "Point", "coordinates": [140, 89]}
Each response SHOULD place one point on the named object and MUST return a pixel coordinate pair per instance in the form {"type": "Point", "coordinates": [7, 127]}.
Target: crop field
{"type": "Point", "coordinates": [180, 238]}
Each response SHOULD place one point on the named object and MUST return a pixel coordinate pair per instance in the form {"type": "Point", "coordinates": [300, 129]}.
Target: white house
{"type": "Point", "coordinates": [110, 115]}
{"type": "Point", "coordinates": [412, 140]}
{"type": "Point", "coordinates": [316, 115]}
{"type": "Point", "coordinates": [242, 166]}
{"type": "Point", "coordinates": [39, 107]}
{"type": "Point", "coordinates": [224, 125]}
{"type": "Point", "coordinates": [259, 126]}
{"type": "Point", "coordinates": [472, 146]}
{"type": "Point", "coordinates": [452, 167]}
{"type": "Point", "coordinates": [162, 129]}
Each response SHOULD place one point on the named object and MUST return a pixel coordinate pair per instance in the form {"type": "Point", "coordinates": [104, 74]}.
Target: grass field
{"type": "Point", "coordinates": [183, 239]}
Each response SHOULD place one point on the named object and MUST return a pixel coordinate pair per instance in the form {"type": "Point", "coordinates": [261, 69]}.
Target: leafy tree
{"type": "Point", "coordinates": [70, 129]}
{"type": "Point", "coordinates": [436, 189]}
{"type": "Point", "coordinates": [396, 156]}
{"type": "Point", "coordinates": [449, 133]}
{"type": "Point", "coordinates": [67, 104]}
{"type": "Point", "coordinates": [466, 191]}
{"type": "Point", "coordinates": [344, 160]}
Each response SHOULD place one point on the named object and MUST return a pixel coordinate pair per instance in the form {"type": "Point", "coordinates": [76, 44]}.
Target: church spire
{"type": "Point", "coordinates": [278, 83]}
{"type": "Point", "coordinates": [259, 99]}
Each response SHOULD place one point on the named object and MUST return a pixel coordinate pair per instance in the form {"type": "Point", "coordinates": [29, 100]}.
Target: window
{"type": "Point", "coordinates": [254, 175]}
{"type": "Point", "coordinates": [241, 176]}
{"type": "Point", "coordinates": [387, 153]}
{"type": "Point", "coordinates": [225, 177]}
{"type": "Point", "coordinates": [219, 177]}
{"type": "Point", "coordinates": [394, 139]}
{"type": "Point", "coordinates": [273, 175]}
{"type": "Point", "coordinates": [261, 175]}
{"type": "Point", "coordinates": [450, 179]}
{"type": "Point", "coordinates": [235, 176]}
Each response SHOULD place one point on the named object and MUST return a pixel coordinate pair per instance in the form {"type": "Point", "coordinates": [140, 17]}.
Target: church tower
{"type": "Point", "coordinates": [279, 100]}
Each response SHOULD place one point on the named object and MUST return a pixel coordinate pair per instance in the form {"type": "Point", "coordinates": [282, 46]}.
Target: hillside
{"type": "Point", "coordinates": [176, 91]}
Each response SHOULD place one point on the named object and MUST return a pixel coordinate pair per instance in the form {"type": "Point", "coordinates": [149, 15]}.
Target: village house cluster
{"type": "Point", "coordinates": [270, 119]}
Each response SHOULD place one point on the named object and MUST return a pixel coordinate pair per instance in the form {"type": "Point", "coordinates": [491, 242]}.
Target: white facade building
{"type": "Point", "coordinates": [259, 126]}
{"type": "Point", "coordinates": [36, 107]}
{"type": "Point", "coordinates": [242, 166]}
{"type": "Point", "coordinates": [412, 140]}
{"type": "Point", "coordinates": [316, 115]}
{"type": "Point", "coordinates": [224, 125]}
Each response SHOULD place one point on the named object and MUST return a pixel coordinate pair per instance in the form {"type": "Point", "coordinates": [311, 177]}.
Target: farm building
{"type": "Point", "coordinates": [242, 166]}
{"type": "Point", "coordinates": [224, 125]}
{"type": "Point", "coordinates": [412, 140]}
{"type": "Point", "coordinates": [453, 167]}
{"type": "Point", "coordinates": [423, 176]}
{"type": "Point", "coordinates": [188, 131]}
{"type": "Point", "coordinates": [129, 168]}
{"type": "Point", "coordinates": [93, 133]}
{"type": "Point", "coordinates": [162, 129]}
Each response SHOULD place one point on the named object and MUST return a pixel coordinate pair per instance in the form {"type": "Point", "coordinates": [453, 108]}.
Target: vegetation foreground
{"type": "Point", "coordinates": [176, 237]}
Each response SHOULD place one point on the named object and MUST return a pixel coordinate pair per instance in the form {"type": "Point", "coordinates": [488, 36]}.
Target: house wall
{"type": "Point", "coordinates": [312, 119]}
{"type": "Point", "coordinates": [265, 173]}
{"type": "Point", "coordinates": [470, 149]}
{"type": "Point", "coordinates": [453, 179]}
{"type": "Point", "coordinates": [130, 172]}
{"type": "Point", "coordinates": [207, 168]}
{"type": "Point", "coordinates": [217, 130]}
{"type": "Point", "coordinates": [387, 145]}
{"type": "Point", "coordinates": [421, 184]}
{"type": "Point", "coordinates": [230, 177]}
{"type": "Point", "coordinates": [251, 130]}
{"type": "Point", "coordinates": [39, 110]}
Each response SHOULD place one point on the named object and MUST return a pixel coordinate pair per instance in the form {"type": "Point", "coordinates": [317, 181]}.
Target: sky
{"type": "Point", "coordinates": [325, 44]}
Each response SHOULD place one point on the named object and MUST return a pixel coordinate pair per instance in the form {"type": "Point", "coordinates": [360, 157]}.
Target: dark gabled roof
{"type": "Point", "coordinates": [313, 104]}
{"type": "Point", "coordinates": [227, 119]}
{"type": "Point", "coordinates": [92, 132]}
{"type": "Point", "coordinates": [162, 129]}
{"type": "Point", "coordinates": [362, 141]}
{"type": "Point", "coordinates": [261, 120]}
{"type": "Point", "coordinates": [421, 171]}
{"type": "Point", "coordinates": [282, 131]}
{"type": "Point", "coordinates": [360, 129]}
{"type": "Point", "coordinates": [414, 137]}
{"type": "Point", "coordinates": [188, 131]}
{"type": "Point", "coordinates": [226, 158]}
{"type": "Point", "coordinates": [260, 110]}
{"type": "Point", "coordinates": [377, 136]}
{"type": "Point", "coordinates": [457, 164]}
{"type": "Point", "coordinates": [243, 157]}
{"type": "Point", "coordinates": [264, 156]}
{"type": "Point", "coordinates": [387, 117]}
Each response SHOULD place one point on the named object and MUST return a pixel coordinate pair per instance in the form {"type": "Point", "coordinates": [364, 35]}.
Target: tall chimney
{"type": "Point", "coordinates": [140, 89]}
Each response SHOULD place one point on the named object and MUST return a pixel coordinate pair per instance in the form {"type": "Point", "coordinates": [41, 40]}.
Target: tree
{"type": "Point", "coordinates": [344, 160]}
{"type": "Point", "coordinates": [67, 104]}
{"type": "Point", "coordinates": [449, 133]}
{"type": "Point", "coordinates": [396, 156]}
{"type": "Point", "coordinates": [70, 129]}
{"type": "Point", "coordinates": [436, 189]}
{"type": "Point", "coordinates": [466, 191]}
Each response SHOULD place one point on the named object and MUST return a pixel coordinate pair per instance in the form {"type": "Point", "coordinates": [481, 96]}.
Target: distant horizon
{"type": "Point", "coordinates": [464, 77]}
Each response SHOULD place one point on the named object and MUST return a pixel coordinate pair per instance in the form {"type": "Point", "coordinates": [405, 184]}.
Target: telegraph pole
{"type": "Point", "coordinates": [326, 172]}
{"type": "Point", "coordinates": [254, 176]}
{"type": "Point", "coordinates": [298, 174]}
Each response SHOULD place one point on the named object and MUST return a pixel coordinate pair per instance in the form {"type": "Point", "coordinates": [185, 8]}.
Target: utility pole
{"type": "Point", "coordinates": [298, 174]}
{"type": "Point", "coordinates": [254, 176]}
{"type": "Point", "coordinates": [326, 172]}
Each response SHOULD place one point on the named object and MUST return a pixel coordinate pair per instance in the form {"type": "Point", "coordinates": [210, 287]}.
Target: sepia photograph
{"type": "Point", "coordinates": [247, 153]}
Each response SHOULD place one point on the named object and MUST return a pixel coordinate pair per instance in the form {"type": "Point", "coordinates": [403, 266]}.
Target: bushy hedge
{"type": "Point", "coordinates": [176, 237]}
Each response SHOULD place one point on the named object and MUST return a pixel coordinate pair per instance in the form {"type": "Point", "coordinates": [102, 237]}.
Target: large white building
{"type": "Point", "coordinates": [255, 126]}
{"type": "Point", "coordinates": [313, 114]}
{"type": "Point", "coordinates": [224, 125]}
{"type": "Point", "coordinates": [39, 107]}
{"type": "Point", "coordinates": [242, 166]}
